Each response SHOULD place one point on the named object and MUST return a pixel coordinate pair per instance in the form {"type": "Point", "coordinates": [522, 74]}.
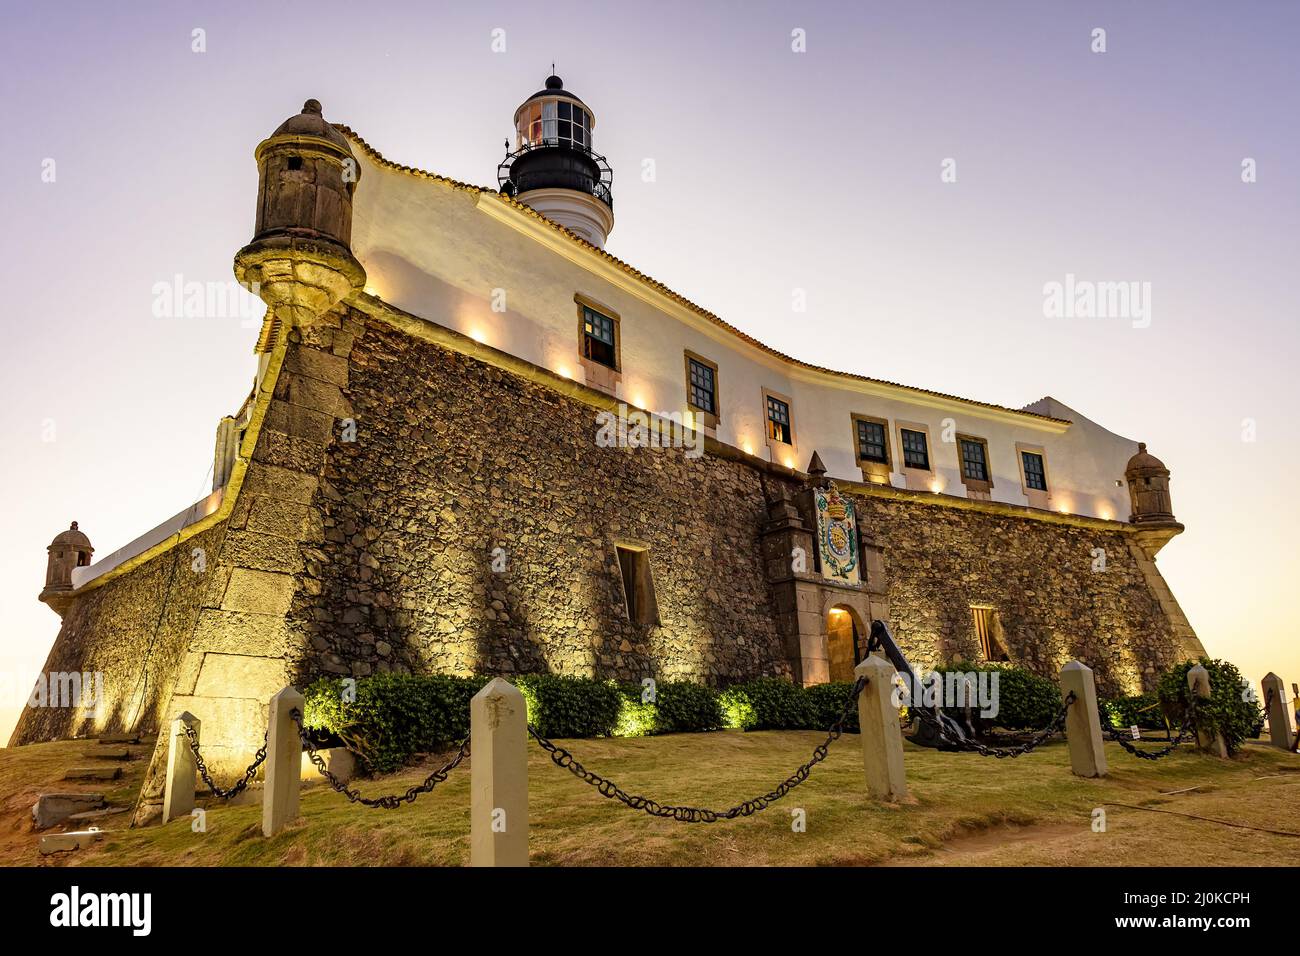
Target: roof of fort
{"type": "Point", "coordinates": [379, 159]}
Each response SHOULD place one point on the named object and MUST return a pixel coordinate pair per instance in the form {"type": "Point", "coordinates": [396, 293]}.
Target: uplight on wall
{"type": "Point", "coordinates": [747, 447]}
{"type": "Point", "coordinates": [478, 335]}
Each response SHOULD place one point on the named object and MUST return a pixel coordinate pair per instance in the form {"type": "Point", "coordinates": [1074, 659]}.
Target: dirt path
{"type": "Point", "coordinates": [1133, 835]}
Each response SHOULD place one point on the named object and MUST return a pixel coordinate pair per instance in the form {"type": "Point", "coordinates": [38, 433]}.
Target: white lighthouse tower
{"type": "Point", "coordinates": [554, 168]}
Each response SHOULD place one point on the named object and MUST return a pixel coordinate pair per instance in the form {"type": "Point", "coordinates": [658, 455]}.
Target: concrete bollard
{"type": "Point", "coordinates": [283, 762]}
{"type": "Point", "coordinates": [498, 810]}
{"type": "Point", "coordinates": [882, 740]}
{"type": "Point", "coordinates": [1083, 722]}
{"type": "Point", "coordinates": [178, 792]}
{"type": "Point", "coordinates": [1275, 709]}
{"type": "Point", "coordinates": [1209, 741]}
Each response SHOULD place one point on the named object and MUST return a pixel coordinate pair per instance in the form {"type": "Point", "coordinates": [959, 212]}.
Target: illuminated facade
{"type": "Point", "coordinates": [415, 483]}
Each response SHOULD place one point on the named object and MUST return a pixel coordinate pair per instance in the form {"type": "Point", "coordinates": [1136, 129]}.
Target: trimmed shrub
{"type": "Point", "coordinates": [563, 706]}
{"type": "Point", "coordinates": [679, 707]}
{"type": "Point", "coordinates": [394, 715]}
{"type": "Point", "coordinates": [1228, 709]}
{"type": "Point", "coordinates": [827, 702]}
{"type": "Point", "coordinates": [1139, 710]}
{"type": "Point", "coordinates": [1026, 701]}
{"type": "Point", "coordinates": [767, 703]}
{"type": "Point", "coordinates": [684, 707]}
{"type": "Point", "coordinates": [635, 718]}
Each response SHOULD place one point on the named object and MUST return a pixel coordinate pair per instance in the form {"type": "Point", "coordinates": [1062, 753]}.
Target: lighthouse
{"type": "Point", "coordinates": [553, 166]}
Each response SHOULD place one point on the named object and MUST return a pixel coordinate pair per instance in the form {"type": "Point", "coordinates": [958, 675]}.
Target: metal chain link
{"type": "Point", "coordinates": [203, 768]}
{"type": "Point", "coordinates": [390, 801]}
{"type": "Point", "coordinates": [562, 758]}
{"type": "Point", "coordinates": [1118, 737]}
{"type": "Point", "coordinates": [974, 746]}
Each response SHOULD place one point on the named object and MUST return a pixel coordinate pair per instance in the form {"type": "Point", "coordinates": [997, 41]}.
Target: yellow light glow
{"type": "Point", "coordinates": [639, 401]}
{"type": "Point", "coordinates": [562, 371]}
{"type": "Point", "coordinates": [1105, 513]}
{"type": "Point", "coordinates": [749, 449]}
{"type": "Point", "coordinates": [788, 461]}
{"type": "Point", "coordinates": [371, 290]}
{"type": "Point", "coordinates": [936, 485]}
{"type": "Point", "coordinates": [478, 335]}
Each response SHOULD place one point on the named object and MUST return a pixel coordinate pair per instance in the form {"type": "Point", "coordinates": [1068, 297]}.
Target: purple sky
{"type": "Point", "coordinates": [776, 171]}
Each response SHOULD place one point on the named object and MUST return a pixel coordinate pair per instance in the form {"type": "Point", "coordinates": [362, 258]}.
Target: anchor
{"type": "Point", "coordinates": [928, 733]}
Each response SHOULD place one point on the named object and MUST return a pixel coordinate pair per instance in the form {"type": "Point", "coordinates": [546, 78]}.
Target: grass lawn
{"type": "Point", "coordinates": [968, 810]}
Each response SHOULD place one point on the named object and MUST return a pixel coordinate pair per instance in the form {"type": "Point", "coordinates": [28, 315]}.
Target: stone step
{"type": "Point", "coordinates": [119, 739]}
{"type": "Point", "coordinates": [93, 773]}
{"type": "Point", "coordinates": [52, 808]}
{"type": "Point", "coordinates": [96, 814]}
{"type": "Point", "coordinates": [60, 842]}
{"type": "Point", "coordinates": [106, 753]}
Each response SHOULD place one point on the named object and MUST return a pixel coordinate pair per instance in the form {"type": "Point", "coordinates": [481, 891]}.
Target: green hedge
{"type": "Point", "coordinates": [1026, 701]}
{"type": "Point", "coordinates": [687, 708]}
{"type": "Point", "coordinates": [1228, 709]}
{"type": "Point", "coordinates": [774, 703]}
{"type": "Point", "coordinates": [396, 716]}
{"type": "Point", "coordinates": [767, 703]}
{"type": "Point", "coordinates": [827, 702]}
{"type": "Point", "coordinates": [678, 707]}
{"type": "Point", "coordinates": [561, 706]}
{"type": "Point", "coordinates": [1138, 710]}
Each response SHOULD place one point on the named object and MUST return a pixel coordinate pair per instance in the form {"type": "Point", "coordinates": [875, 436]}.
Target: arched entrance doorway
{"type": "Point", "coordinates": [841, 644]}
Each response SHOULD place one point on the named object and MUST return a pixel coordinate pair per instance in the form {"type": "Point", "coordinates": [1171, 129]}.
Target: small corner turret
{"type": "Point", "coordinates": [1151, 509]}
{"type": "Point", "coordinates": [69, 549]}
{"type": "Point", "coordinates": [300, 261]}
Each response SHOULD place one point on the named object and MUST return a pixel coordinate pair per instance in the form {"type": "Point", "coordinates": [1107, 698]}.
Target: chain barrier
{"type": "Point", "coordinates": [207, 779]}
{"type": "Point", "coordinates": [1118, 737]}
{"type": "Point", "coordinates": [389, 801]}
{"type": "Point", "coordinates": [974, 746]}
{"type": "Point", "coordinates": [562, 758]}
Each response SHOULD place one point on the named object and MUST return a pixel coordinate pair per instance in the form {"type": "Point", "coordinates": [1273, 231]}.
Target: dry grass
{"type": "Point", "coordinates": [968, 810]}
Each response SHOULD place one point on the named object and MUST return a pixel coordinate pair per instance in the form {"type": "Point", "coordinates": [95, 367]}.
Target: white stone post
{"type": "Point", "coordinates": [178, 792]}
{"type": "Point", "coordinates": [283, 762]}
{"type": "Point", "coordinates": [498, 809]}
{"type": "Point", "coordinates": [1210, 741]}
{"type": "Point", "coordinates": [882, 740]}
{"type": "Point", "coordinates": [1279, 716]}
{"type": "Point", "coordinates": [1083, 721]}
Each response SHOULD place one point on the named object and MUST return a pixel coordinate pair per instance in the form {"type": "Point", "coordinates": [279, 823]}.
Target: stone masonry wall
{"type": "Point", "coordinates": [454, 458]}
{"type": "Point", "coordinates": [134, 630]}
{"type": "Point", "coordinates": [1038, 575]}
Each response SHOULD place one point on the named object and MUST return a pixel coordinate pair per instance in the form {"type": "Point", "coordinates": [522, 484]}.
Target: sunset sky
{"type": "Point", "coordinates": [776, 170]}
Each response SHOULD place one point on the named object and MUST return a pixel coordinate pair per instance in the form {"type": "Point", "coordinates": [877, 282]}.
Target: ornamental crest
{"type": "Point", "coordinates": [837, 534]}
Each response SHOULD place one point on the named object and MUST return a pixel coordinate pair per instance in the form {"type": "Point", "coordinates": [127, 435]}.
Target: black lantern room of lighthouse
{"type": "Point", "coordinates": [553, 147]}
